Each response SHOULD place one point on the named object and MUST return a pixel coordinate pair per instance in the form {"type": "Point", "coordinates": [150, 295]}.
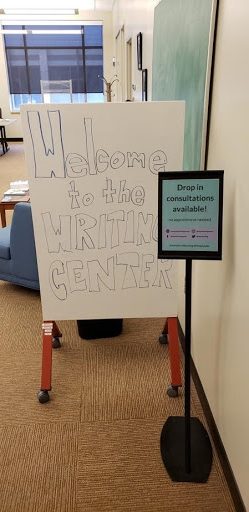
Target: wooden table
{"type": "Point", "coordinates": [3, 138]}
{"type": "Point", "coordinates": [8, 203]}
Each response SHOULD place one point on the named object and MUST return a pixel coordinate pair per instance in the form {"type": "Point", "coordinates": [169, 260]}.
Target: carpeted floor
{"type": "Point", "coordinates": [95, 446]}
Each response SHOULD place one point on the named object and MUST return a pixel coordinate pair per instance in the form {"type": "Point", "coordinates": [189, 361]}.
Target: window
{"type": "Point", "coordinates": [46, 52]}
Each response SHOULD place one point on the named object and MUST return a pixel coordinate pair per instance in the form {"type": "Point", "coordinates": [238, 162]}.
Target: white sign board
{"type": "Point", "coordinates": [94, 193]}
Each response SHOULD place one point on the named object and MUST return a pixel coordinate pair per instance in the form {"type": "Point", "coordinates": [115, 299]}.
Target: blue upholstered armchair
{"type": "Point", "coordinates": [18, 263]}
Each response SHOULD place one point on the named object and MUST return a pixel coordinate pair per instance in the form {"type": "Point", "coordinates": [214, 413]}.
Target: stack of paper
{"type": "Point", "coordinates": [15, 192]}
{"type": "Point", "coordinates": [17, 188]}
{"type": "Point", "coordinates": [14, 199]}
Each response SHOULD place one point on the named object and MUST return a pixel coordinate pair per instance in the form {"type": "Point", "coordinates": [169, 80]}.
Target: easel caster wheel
{"type": "Point", "coordinates": [172, 391]}
{"type": "Point", "coordinates": [163, 339]}
{"type": "Point", "coordinates": [56, 342]}
{"type": "Point", "coordinates": [43, 396]}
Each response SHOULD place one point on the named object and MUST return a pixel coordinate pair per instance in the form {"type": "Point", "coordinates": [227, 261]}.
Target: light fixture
{"type": "Point", "coordinates": [9, 31]}
{"type": "Point", "coordinates": [39, 12]}
{"type": "Point", "coordinates": [44, 32]}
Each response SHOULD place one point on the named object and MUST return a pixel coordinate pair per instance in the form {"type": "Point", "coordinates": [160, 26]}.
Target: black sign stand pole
{"type": "Point", "coordinates": [185, 446]}
{"type": "Point", "coordinates": [188, 307]}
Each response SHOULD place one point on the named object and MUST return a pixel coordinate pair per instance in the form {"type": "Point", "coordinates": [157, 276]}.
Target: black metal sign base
{"type": "Point", "coordinates": [173, 450]}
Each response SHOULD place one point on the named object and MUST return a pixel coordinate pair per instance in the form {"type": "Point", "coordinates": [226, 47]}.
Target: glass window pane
{"type": "Point", "coordinates": [13, 40]}
{"type": "Point", "coordinates": [94, 70]}
{"type": "Point", "coordinates": [54, 40]}
{"type": "Point", "coordinates": [36, 98]}
{"type": "Point", "coordinates": [79, 98]}
{"type": "Point", "coordinates": [57, 57]}
{"type": "Point", "coordinates": [18, 78]}
{"type": "Point", "coordinates": [56, 65]}
{"type": "Point", "coordinates": [93, 35]}
{"type": "Point", "coordinates": [95, 97]}
{"type": "Point", "coordinates": [19, 99]}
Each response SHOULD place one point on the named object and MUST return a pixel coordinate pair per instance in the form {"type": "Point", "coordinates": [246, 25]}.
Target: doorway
{"type": "Point", "coordinates": [129, 70]}
{"type": "Point", "coordinates": [120, 65]}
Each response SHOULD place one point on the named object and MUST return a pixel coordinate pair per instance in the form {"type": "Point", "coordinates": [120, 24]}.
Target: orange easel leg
{"type": "Point", "coordinates": [47, 328]}
{"type": "Point", "coordinates": [174, 353]}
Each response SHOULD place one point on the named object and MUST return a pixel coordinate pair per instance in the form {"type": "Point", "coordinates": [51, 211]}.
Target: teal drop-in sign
{"type": "Point", "coordinates": [190, 214]}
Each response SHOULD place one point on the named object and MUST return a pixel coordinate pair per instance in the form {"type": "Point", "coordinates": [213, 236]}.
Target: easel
{"type": "Point", "coordinates": [51, 339]}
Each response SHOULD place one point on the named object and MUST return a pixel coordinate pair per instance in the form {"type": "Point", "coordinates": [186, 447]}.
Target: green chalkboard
{"type": "Point", "coordinates": [182, 51]}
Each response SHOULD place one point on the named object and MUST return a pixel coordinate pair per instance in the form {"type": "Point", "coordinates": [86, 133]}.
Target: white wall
{"type": "Point", "coordinates": [15, 130]}
{"type": "Point", "coordinates": [220, 289]}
